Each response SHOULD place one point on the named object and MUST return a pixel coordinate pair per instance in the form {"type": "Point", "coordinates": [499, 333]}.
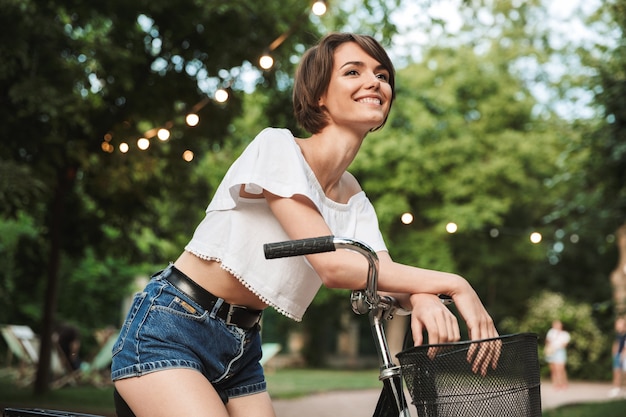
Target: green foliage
{"type": "Point", "coordinates": [12, 234]}
{"type": "Point", "coordinates": [588, 345]}
{"type": "Point", "coordinates": [604, 184]}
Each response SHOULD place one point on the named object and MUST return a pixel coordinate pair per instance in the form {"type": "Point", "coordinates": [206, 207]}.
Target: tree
{"type": "Point", "coordinates": [605, 182]}
{"type": "Point", "coordinates": [78, 78]}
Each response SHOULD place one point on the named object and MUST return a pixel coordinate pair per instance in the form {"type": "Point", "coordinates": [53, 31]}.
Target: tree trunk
{"type": "Point", "coordinates": [64, 181]}
{"type": "Point", "coordinates": [618, 276]}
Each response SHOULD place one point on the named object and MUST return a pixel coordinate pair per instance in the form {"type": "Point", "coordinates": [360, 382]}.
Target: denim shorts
{"type": "Point", "coordinates": [618, 362]}
{"type": "Point", "coordinates": [166, 329]}
{"type": "Point", "coordinates": [559, 356]}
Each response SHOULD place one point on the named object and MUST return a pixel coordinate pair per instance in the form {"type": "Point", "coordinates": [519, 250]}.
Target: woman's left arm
{"type": "Point", "coordinates": [430, 314]}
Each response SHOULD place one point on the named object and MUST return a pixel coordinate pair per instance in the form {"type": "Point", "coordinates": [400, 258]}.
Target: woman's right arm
{"type": "Point", "coordinates": [344, 269]}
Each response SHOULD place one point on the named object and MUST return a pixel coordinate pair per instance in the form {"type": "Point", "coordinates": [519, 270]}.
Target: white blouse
{"type": "Point", "coordinates": [235, 228]}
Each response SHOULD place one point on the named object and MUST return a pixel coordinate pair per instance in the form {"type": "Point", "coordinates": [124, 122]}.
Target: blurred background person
{"type": "Point", "coordinates": [557, 340]}
{"type": "Point", "coordinates": [618, 356]}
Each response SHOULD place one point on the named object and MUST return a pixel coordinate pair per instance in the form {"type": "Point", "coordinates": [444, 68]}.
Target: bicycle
{"type": "Point", "coordinates": [440, 378]}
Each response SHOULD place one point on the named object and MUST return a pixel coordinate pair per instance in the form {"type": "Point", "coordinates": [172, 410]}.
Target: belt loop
{"type": "Point", "coordinates": [216, 307]}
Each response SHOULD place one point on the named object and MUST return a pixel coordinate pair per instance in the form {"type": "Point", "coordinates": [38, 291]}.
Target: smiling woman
{"type": "Point", "coordinates": [191, 343]}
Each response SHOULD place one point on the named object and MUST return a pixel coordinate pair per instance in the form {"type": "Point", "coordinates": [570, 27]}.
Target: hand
{"type": "Point", "coordinates": [480, 325]}
{"type": "Point", "coordinates": [430, 314]}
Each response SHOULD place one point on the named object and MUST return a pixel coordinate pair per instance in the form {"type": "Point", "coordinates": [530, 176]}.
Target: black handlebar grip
{"type": "Point", "coordinates": [299, 247]}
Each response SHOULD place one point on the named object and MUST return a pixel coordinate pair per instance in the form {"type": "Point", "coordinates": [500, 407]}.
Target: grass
{"type": "Point", "coordinates": [605, 409]}
{"type": "Point", "coordinates": [283, 383]}
{"type": "Point", "coordinates": [80, 399]}
{"type": "Point", "coordinates": [291, 383]}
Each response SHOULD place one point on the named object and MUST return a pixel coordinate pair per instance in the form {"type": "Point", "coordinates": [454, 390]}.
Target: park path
{"type": "Point", "coordinates": [363, 403]}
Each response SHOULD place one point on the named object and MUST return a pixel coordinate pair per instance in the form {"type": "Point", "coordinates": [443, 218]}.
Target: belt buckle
{"type": "Point", "coordinates": [231, 312]}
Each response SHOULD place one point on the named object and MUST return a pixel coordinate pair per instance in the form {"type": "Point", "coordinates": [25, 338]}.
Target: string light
{"type": "Point", "coordinates": [535, 237]}
{"type": "Point", "coordinates": [319, 8]}
{"type": "Point", "coordinates": [221, 95]}
{"type": "Point", "coordinates": [406, 218]}
{"type": "Point", "coordinates": [188, 155]}
{"type": "Point", "coordinates": [451, 227]}
{"type": "Point", "coordinates": [143, 143]}
{"type": "Point", "coordinates": [163, 134]}
{"type": "Point", "coordinates": [192, 119]}
{"type": "Point", "coordinates": [107, 147]}
{"type": "Point", "coordinates": [266, 61]}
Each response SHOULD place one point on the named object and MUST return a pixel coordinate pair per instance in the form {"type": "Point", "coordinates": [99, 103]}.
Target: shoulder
{"type": "Point", "coordinates": [274, 134]}
{"type": "Point", "coordinates": [351, 184]}
{"type": "Point", "coordinates": [270, 143]}
{"type": "Point", "coordinates": [273, 143]}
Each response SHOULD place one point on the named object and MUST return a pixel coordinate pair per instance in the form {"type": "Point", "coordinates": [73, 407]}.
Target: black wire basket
{"type": "Point", "coordinates": [442, 383]}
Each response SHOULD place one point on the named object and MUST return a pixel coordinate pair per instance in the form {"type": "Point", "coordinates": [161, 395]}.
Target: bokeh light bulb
{"type": "Point", "coordinates": [192, 119]}
{"type": "Point", "coordinates": [163, 134]}
{"type": "Point", "coordinates": [266, 62]}
{"type": "Point", "coordinates": [143, 143]}
{"type": "Point", "coordinates": [188, 155]}
{"type": "Point", "coordinates": [319, 8]}
{"type": "Point", "coordinates": [221, 95]}
{"type": "Point", "coordinates": [535, 237]}
{"type": "Point", "coordinates": [406, 218]}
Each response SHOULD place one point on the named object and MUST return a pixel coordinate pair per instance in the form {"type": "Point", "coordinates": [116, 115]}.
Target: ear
{"type": "Point", "coordinates": [321, 102]}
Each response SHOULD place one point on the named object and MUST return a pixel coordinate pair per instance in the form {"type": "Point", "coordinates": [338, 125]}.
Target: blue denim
{"type": "Point", "coordinates": [166, 329]}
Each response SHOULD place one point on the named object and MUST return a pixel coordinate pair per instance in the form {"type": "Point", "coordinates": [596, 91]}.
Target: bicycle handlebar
{"type": "Point", "coordinates": [299, 247]}
{"type": "Point", "coordinates": [363, 301]}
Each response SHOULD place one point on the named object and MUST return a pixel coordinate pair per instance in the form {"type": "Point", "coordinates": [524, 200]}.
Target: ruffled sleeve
{"type": "Point", "coordinates": [272, 161]}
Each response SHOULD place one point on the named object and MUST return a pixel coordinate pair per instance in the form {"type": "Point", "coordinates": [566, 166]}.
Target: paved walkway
{"type": "Point", "coordinates": [363, 403]}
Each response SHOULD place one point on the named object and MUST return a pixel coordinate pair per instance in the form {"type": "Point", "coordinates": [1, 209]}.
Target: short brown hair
{"type": "Point", "coordinates": [314, 72]}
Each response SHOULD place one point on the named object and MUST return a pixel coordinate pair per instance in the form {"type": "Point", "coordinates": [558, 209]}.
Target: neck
{"type": "Point", "coordinates": [329, 154]}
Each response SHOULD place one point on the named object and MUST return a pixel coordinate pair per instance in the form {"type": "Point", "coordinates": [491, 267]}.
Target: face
{"type": "Point", "coordinates": [358, 95]}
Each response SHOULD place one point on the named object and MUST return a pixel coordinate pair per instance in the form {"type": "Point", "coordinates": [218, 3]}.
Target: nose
{"type": "Point", "coordinates": [373, 82]}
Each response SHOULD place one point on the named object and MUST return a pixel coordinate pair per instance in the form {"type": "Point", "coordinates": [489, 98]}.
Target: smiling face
{"type": "Point", "coordinates": [320, 66]}
{"type": "Point", "coordinates": [359, 94]}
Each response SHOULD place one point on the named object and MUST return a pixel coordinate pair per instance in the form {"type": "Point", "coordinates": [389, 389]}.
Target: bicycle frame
{"type": "Point", "coordinates": [379, 309]}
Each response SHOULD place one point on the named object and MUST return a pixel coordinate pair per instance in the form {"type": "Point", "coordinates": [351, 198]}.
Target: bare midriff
{"type": "Point", "coordinates": [212, 277]}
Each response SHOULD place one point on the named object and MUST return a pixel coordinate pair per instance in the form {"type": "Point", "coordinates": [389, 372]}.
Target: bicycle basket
{"type": "Point", "coordinates": [441, 382]}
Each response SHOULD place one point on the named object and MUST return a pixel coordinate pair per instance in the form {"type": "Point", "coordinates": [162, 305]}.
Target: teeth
{"type": "Point", "coordinates": [369, 100]}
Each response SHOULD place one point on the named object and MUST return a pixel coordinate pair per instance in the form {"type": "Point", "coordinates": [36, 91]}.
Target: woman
{"type": "Point", "coordinates": [557, 340]}
{"type": "Point", "coordinates": [280, 188]}
{"type": "Point", "coordinates": [617, 352]}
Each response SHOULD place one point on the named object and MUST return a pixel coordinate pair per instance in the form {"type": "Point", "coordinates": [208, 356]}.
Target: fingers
{"type": "Point", "coordinates": [431, 315]}
{"type": "Point", "coordinates": [484, 355]}
{"type": "Point", "coordinates": [417, 329]}
{"type": "Point", "coordinates": [442, 326]}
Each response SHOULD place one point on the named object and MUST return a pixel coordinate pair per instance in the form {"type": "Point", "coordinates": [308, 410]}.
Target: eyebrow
{"type": "Point", "coordinates": [362, 64]}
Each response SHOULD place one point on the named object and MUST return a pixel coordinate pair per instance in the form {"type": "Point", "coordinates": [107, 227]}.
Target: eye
{"type": "Point", "coordinates": [383, 76]}
{"type": "Point", "coordinates": [352, 72]}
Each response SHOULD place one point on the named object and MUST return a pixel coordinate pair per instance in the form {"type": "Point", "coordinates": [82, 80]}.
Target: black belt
{"type": "Point", "coordinates": [239, 316]}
